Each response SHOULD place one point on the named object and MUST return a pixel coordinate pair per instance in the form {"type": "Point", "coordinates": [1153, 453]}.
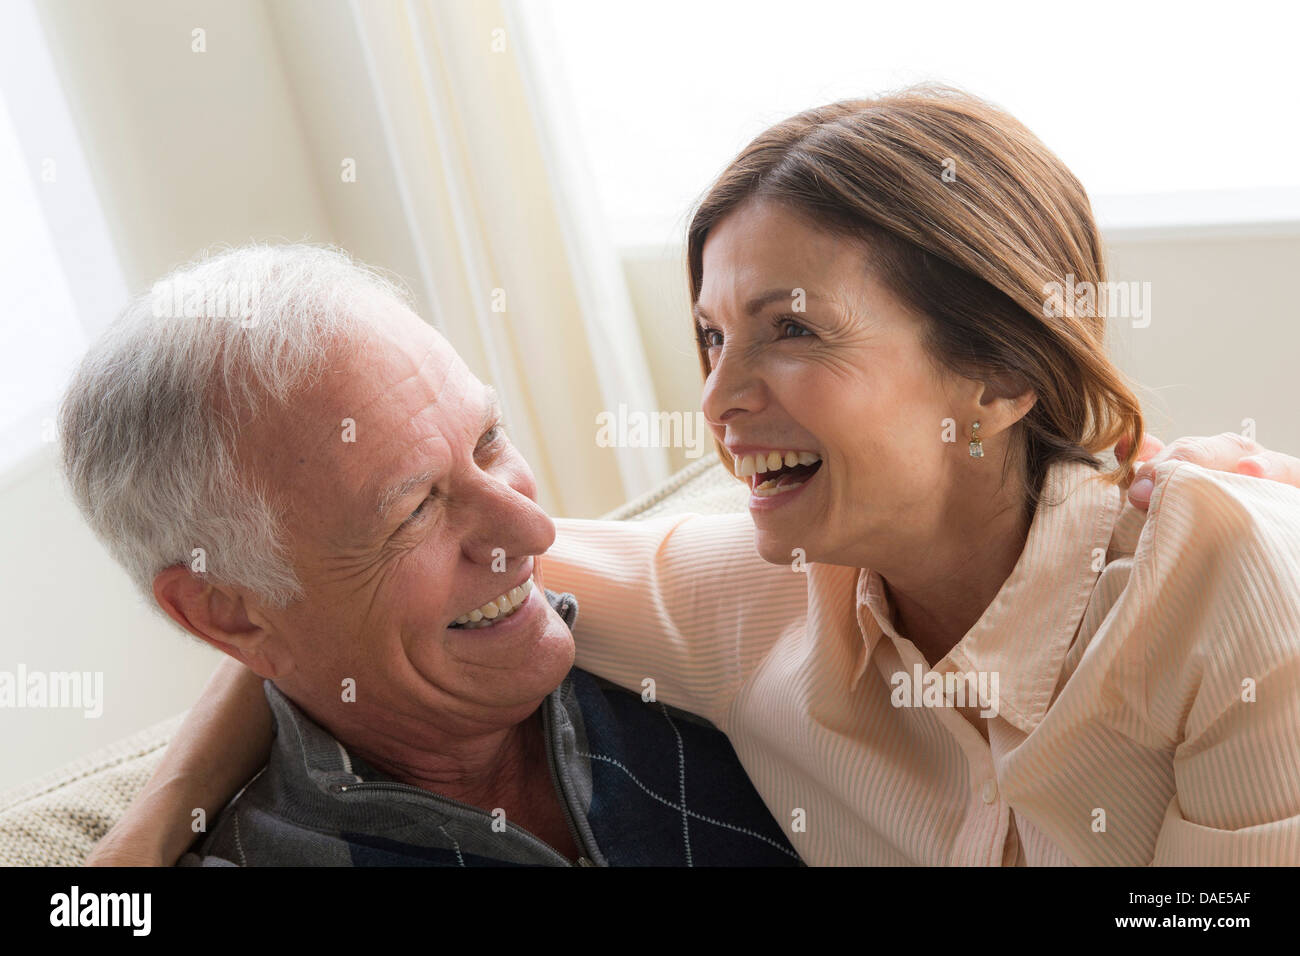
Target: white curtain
{"type": "Point", "coordinates": [485, 204]}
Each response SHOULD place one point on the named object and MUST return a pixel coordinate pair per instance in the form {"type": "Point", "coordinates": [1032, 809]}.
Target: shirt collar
{"type": "Point", "coordinates": [1025, 633]}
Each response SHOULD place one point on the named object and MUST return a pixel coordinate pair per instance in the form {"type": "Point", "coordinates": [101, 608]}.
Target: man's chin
{"type": "Point", "coordinates": [553, 654]}
{"type": "Point", "coordinates": [558, 646]}
{"type": "Point", "coordinates": [542, 666]}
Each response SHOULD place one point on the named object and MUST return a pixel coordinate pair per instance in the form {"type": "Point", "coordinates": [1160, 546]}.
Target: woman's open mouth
{"type": "Point", "coordinates": [777, 472]}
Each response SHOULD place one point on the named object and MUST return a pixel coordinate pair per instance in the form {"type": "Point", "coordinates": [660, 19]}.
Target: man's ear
{"type": "Point", "coordinates": [218, 616]}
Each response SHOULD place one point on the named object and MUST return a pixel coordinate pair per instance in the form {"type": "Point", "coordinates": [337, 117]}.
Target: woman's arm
{"type": "Point", "coordinates": [683, 601]}
{"type": "Point", "coordinates": [223, 742]}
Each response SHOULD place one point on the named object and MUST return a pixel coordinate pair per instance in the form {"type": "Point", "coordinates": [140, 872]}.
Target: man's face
{"type": "Point", "coordinates": [428, 515]}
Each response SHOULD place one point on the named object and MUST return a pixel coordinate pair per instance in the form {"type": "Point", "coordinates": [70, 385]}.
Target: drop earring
{"type": "Point", "coordinates": [976, 446]}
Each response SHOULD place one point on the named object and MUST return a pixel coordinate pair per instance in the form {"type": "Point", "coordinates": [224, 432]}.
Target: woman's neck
{"type": "Point", "coordinates": [939, 596]}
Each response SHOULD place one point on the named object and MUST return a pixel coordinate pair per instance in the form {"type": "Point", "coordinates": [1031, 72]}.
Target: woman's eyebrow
{"type": "Point", "coordinates": [764, 299]}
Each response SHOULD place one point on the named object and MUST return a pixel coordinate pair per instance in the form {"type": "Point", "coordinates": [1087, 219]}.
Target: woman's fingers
{"type": "Point", "coordinates": [1219, 453]}
{"type": "Point", "coordinates": [1272, 465]}
{"type": "Point", "coordinates": [1228, 451]}
{"type": "Point", "coordinates": [1150, 446]}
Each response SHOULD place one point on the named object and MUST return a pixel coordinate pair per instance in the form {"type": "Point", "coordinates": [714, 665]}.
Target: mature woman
{"type": "Point", "coordinates": [940, 636]}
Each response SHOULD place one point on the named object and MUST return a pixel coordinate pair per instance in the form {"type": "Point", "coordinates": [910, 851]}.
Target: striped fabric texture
{"type": "Point", "coordinates": [1141, 678]}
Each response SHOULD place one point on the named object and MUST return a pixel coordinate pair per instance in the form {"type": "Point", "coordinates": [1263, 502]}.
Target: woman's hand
{"type": "Point", "coordinates": [139, 838]}
{"type": "Point", "coordinates": [223, 742]}
{"type": "Point", "coordinates": [118, 851]}
{"type": "Point", "coordinates": [1226, 452]}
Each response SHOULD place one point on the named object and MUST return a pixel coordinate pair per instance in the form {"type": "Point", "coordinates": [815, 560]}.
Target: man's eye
{"type": "Point", "coordinates": [418, 513]}
{"type": "Point", "coordinates": [493, 436]}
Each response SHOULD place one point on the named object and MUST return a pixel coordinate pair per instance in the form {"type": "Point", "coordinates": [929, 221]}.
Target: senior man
{"type": "Point", "coordinates": [315, 484]}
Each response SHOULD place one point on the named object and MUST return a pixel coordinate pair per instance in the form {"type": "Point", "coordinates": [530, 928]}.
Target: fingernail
{"type": "Point", "coordinates": [1259, 461]}
{"type": "Point", "coordinates": [1142, 489]}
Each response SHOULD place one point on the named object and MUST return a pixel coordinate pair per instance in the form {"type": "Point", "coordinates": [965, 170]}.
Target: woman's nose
{"type": "Point", "coordinates": [731, 389]}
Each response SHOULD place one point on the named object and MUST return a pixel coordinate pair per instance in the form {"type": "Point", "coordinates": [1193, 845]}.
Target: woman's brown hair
{"type": "Point", "coordinates": [969, 219]}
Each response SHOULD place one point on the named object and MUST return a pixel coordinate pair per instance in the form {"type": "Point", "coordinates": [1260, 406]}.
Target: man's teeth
{"type": "Point", "coordinates": [502, 607]}
{"type": "Point", "coordinates": [747, 465]}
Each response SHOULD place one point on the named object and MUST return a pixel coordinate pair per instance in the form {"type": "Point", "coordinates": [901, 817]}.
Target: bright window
{"type": "Point", "coordinates": [1137, 98]}
{"type": "Point", "coordinates": [58, 271]}
{"type": "Point", "coordinates": [40, 337]}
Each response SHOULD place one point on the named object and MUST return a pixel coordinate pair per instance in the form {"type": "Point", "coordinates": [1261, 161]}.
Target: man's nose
{"type": "Point", "coordinates": [732, 388]}
{"type": "Point", "coordinates": [507, 524]}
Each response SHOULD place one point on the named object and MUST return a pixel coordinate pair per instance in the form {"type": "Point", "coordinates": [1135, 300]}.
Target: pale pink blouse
{"type": "Point", "coordinates": [1147, 668]}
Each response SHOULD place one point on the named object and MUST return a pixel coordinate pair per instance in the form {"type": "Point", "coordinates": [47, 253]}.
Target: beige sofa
{"type": "Point", "coordinates": [55, 820]}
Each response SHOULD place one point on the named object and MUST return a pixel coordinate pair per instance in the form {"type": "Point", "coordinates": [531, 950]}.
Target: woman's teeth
{"type": "Point", "coordinates": [748, 465]}
{"type": "Point", "coordinates": [493, 611]}
{"type": "Point", "coordinates": [769, 488]}
{"type": "Point", "coordinates": [779, 464]}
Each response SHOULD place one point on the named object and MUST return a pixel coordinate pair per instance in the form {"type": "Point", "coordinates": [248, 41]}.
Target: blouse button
{"type": "Point", "coordinates": [990, 791]}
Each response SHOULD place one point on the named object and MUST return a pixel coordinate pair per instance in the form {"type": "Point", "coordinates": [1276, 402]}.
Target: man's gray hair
{"type": "Point", "coordinates": [149, 424]}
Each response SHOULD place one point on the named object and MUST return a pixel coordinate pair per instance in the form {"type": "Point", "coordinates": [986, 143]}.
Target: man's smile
{"type": "Point", "coordinates": [498, 609]}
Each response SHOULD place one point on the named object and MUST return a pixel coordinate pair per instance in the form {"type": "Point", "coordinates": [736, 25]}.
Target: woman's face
{"type": "Point", "coordinates": [809, 354]}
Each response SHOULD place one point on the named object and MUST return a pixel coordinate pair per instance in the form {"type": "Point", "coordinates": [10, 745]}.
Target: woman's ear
{"type": "Point", "coordinates": [218, 616]}
{"type": "Point", "coordinates": [1005, 400]}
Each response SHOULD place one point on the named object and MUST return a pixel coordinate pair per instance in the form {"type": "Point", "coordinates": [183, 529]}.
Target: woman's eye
{"type": "Point", "coordinates": [799, 331]}
{"type": "Point", "coordinates": [709, 338]}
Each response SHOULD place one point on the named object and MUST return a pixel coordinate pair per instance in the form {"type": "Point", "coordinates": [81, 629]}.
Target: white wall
{"type": "Point", "coordinates": [1223, 339]}
{"type": "Point", "coordinates": [187, 149]}
{"type": "Point", "coordinates": [69, 607]}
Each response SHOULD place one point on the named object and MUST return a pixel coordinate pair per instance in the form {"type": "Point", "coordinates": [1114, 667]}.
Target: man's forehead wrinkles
{"type": "Point", "coordinates": [443, 383]}
{"type": "Point", "coordinates": [332, 429]}
{"type": "Point", "coordinates": [386, 391]}
{"type": "Point", "coordinates": [441, 380]}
